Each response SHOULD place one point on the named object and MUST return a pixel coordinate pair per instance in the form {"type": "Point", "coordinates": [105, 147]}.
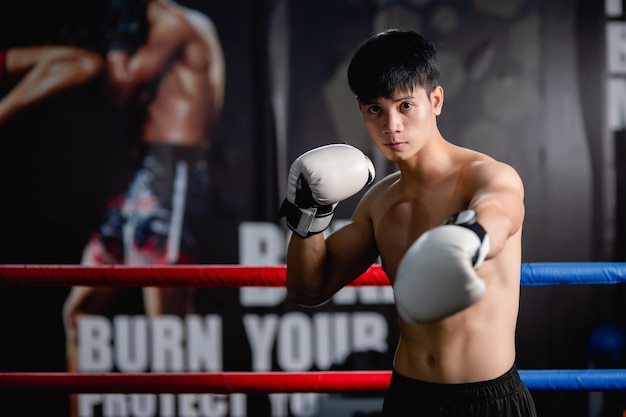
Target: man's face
{"type": "Point", "coordinates": [400, 125]}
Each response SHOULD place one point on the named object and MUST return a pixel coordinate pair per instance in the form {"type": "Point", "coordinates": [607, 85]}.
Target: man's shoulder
{"type": "Point", "coordinates": [493, 172]}
{"type": "Point", "coordinates": [488, 164]}
{"type": "Point", "coordinates": [477, 160]}
{"type": "Point", "coordinates": [385, 183]}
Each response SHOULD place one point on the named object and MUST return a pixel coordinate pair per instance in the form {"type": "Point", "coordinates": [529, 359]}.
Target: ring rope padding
{"type": "Point", "coordinates": [235, 276]}
{"type": "Point", "coordinates": [345, 382]}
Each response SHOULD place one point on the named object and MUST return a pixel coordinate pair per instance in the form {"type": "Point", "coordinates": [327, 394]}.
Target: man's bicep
{"type": "Point", "coordinates": [147, 64]}
{"type": "Point", "coordinates": [500, 205]}
{"type": "Point", "coordinates": [152, 58]}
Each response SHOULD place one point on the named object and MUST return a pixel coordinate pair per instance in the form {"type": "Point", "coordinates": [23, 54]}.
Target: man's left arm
{"type": "Point", "coordinates": [498, 202]}
{"type": "Point", "coordinates": [437, 276]}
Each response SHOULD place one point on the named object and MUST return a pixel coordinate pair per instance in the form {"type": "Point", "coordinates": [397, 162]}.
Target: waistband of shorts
{"type": "Point", "coordinates": [500, 387]}
{"type": "Point", "coordinates": [167, 152]}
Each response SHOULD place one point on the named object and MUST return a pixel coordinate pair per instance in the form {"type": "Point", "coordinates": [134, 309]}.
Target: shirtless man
{"type": "Point", "coordinates": [36, 73]}
{"type": "Point", "coordinates": [175, 71]}
{"type": "Point", "coordinates": [447, 227]}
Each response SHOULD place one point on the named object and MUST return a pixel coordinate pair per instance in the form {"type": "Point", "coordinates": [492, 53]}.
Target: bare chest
{"type": "Point", "coordinates": [403, 218]}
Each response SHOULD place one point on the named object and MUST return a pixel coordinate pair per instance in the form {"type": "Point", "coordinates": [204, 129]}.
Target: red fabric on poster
{"type": "Point", "coordinates": [3, 59]}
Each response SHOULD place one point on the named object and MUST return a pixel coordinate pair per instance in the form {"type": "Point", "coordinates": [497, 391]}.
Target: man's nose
{"type": "Point", "coordinates": [393, 123]}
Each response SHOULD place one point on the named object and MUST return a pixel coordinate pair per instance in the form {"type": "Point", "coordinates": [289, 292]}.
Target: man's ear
{"type": "Point", "coordinates": [436, 98]}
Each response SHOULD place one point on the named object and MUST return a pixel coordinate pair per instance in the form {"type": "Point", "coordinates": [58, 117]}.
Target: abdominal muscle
{"type": "Point", "coordinates": [182, 111]}
{"type": "Point", "coordinates": [476, 344]}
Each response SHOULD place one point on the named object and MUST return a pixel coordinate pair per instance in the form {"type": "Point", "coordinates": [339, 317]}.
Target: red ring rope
{"type": "Point", "coordinates": [218, 383]}
{"type": "Point", "coordinates": [222, 276]}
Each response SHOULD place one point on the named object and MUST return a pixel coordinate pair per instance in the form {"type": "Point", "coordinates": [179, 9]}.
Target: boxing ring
{"type": "Point", "coordinates": [227, 276]}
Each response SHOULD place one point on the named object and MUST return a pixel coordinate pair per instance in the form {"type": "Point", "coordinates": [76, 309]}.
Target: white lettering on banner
{"type": "Point", "coordinates": [130, 356]}
{"type": "Point", "coordinates": [264, 243]}
{"type": "Point", "coordinates": [115, 405]}
{"type": "Point", "coordinates": [86, 404]}
{"type": "Point", "coordinates": [205, 405]}
{"type": "Point", "coordinates": [613, 7]}
{"type": "Point", "coordinates": [294, 344]}
{"type": "Point", "coordinates": [261, 244]}
{"type": "Point", "coordinates": [167, 344]}
{"type": "Point", "coordinates": [278, 403]}
{"type": "Point", "coordinates": [204, 343]}
{"type": "Point", "coordinates": [304, 404]}
{"type": "Point", "coordinates": [190, 344]}
{"type": "Point", "coordinates": [94, 344]}
{"type": "Point", "coordinates": [617, 104]}
{"type": "Point", "coordinates": [320, 341]}
{"type": "Point", "coordinates": [261, 297]}
{"type": "Point", "coordinates": [163, 405]}
{"type": "Point", "coordinates": [369, 332]}
{"type": "Point", "coordinates": [616, 47]}
{"type": "Point", "coordinates": [323, 351]}
{"type": "Point", "coordinates": [238, 405]}
{"type": "Point", "coordinates": [143, 405]}
{"type": "Point", "coordinates": [298, 404]}
{"type": "Point", "coordinates": [616, 68]}
{"type": "Point", "coordinates": [261, 333]}
{"type": "Point", "coordinates": [167, 404]}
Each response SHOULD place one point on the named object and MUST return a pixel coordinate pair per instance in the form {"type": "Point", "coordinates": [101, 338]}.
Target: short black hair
{"type": "Point", "coordinates": [395, 58]}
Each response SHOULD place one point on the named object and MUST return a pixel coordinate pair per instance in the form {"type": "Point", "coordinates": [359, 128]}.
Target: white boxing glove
{"type": "Point", "coordinates": [437, 276]}
{"type": "Point", "coordinates": [318, 180]}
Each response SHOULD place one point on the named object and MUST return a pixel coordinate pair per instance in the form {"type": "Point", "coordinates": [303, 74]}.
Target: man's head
{"type": "Point", "coordinates": [396, 59]}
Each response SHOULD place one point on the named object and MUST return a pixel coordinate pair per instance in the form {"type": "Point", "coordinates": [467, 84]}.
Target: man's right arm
{"type": "Point", "coordinates": [306, 269]}
{"type": "Point", "coordinates": [148, 62]}
{"type": "Point", "coordinates": [318, 181]}
{"type": "Point", "coordinates": [317, 268]}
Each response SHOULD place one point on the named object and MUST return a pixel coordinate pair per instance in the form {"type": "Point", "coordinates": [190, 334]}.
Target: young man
{"type": "Point", "coordinates": [447, 227]}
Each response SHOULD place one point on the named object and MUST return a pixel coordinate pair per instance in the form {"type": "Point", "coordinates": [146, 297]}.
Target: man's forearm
{"type": "Point", "coordinates": [306, 263]}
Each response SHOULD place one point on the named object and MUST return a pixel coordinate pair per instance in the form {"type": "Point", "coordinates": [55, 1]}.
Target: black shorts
{"type": "Point", "coordinates": [505, 396]}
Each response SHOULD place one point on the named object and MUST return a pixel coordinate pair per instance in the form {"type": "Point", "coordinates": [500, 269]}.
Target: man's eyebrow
{"type": "Point", "coordinates": [395, 100]}
{"type": "Point", "coordinates": [401, 98]}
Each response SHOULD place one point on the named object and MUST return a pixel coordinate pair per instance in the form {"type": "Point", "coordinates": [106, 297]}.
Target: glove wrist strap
{"type": "Point", "coordinates": [307, 221]}
{"type": "Point", "coordinates": [467, 219]}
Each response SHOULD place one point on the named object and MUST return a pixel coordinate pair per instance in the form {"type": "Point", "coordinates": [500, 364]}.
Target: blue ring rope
{"type": "Point", "coordinates": [575, 379]}
{"type": "Point", "coordinates": [582, 273]}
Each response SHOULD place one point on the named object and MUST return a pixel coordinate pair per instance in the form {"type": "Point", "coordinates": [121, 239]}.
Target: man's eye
{"type": "Point", "coordinates": [406, 106]}
{"type": "Point", "coordinates": [374, 109]}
